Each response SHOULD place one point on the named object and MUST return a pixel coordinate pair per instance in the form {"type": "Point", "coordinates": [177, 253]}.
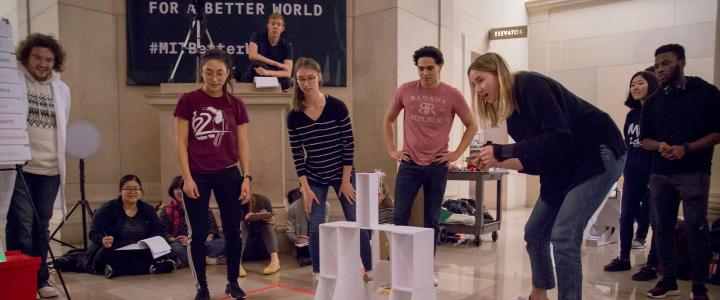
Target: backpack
{"type": "Point", "coordinates": [70, 261]}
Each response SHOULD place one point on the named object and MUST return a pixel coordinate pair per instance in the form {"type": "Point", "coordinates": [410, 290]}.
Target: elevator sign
{"type": "Point", "coordinates": [508, 33]}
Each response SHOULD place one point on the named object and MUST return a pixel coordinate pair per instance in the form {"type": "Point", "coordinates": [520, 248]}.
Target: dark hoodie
{"type": "Point", "coordinates": [679, 115]}
{"type": "Point", "coordinates": [638, 161]}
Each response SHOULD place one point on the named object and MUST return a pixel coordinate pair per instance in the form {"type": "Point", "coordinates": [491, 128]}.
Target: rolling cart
{"type": "Point", "coordinates": [481, 226]}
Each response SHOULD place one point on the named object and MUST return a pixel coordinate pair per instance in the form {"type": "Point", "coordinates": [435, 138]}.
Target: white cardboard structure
{"type": "Point", "coordinates": [410, 268]}
{"type": "Point", "coordinates": [604, 226]}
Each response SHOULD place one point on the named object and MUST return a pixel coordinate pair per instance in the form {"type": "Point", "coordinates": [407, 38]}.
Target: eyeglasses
{"type": "Point", "coordinates": [309, 79]}
{"type": "Point", "coordinates": [129, 190]}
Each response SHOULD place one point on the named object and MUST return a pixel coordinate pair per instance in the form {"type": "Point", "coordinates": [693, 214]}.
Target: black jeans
{"type": "Point", "coordinates": [125, 262]}
{"type": "Point", "coordinates": [433, 179]}
{"type": "Point", "coordinates": [635, 193]}
{"type": "Point", "coordinates": [666, 193]}
{"type": "Point", "coordinates": [22, 231]}
{"type": "Point", "coordinates": [226, 187]}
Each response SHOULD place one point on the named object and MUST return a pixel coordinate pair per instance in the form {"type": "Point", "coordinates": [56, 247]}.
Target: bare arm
{"type": "Point", "coordinates": [470, 131]}
{"type": "Point", "coordinates": [511, 164]}
{"type": "Point", "coordinates": [285, 72]}
{"type": "Point", "coordinates": [285, 66]}
{"type": "Point", "coordinates": [705, 142]}
{"type": "Point", "coordinates": [244, 158]}
{"type": "Point", "coordinates": [182, 129]}
{"type": "Point", "coordinates": [390, 117]}
{"type": "Point", "coordinates": [652, 145]}
{"type": "Point", "coordinates": [253, 54]}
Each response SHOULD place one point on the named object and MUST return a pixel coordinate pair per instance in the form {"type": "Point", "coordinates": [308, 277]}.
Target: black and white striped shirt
{"type": "Point", "coordinates": [322, 147]}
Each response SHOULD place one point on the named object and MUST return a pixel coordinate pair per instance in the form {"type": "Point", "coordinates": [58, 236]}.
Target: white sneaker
{"type": "Point", "coordinates": [436, 281]}
{"type": "Point", "coordinates": [637, 244]}
{"type": "Point", "coordinates": [48, 291]}
{"type": "Point", "coordinates": [211, 261]}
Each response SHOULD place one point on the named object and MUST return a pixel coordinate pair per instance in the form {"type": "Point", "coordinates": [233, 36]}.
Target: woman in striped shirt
{"type": "Point", "coordinates": [321, 141]}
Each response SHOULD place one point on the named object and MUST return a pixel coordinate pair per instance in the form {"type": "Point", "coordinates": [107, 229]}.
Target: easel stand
{"type": "Point", "coordinates": [85, 209]}
{"type": "Point", "coordinates": [199, 26]}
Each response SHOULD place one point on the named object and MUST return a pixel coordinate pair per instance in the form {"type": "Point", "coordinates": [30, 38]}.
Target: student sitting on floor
{"type": "Point", "coordinates": [259, 223]}
{"type": "Point", "coordinates": [172, 217]}
{"type": "Point", "coordinates": [121, 222]}
{"type": "Point", "coordinates": [297, 226]}
{"type": "Point", "coordinates": [386, 207]}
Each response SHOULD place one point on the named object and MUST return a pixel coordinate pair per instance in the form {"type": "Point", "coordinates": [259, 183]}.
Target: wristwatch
{"type": "Point", "coordinates": [248, 177]}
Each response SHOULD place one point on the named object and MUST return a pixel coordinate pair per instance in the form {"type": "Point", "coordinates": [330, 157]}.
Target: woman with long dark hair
{"type": "Point", "coordinates": [635, 196]}
{"type": "Point", "coordinates": [211, 140]}
{"type": "Point", "coordinates": [575, 148]}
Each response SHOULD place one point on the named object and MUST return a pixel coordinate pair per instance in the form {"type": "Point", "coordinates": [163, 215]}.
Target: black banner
{"type": "Point", "coordinates": [156, 31]}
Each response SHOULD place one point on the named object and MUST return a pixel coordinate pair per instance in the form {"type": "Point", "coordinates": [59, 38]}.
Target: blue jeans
{"type": "Point", "coordinates": [634, 205]}
{"type": "Point", "coordinates": [214, 249]}
{"type": "Point", "coordinates": [22, 231]}
{"type": "Point", "coordinates": [317, 217]}
{"type": "Point", "coordinates": [562, 224]}
{"type": "Point", "coordinates": [433, 179]}
{"type": "Point", "coordinates": [666, 192]}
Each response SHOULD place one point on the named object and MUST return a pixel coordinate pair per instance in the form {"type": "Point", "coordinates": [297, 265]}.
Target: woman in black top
{"type": "Point", "coordinates": [574, 147]}
{"type": "Point", "coordinates": [323, 147]}
{"type": "Point", "coordinates": [635, 196]}
{"type": "Point", "coordinates": [121, 222]}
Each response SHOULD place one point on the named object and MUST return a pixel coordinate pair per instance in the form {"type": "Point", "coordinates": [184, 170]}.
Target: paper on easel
{"type": "Point", "coordinates": [14, 154]}
{"type": "Point", "coordinates": [11, 90]}
{"type": "Point", "coordinates": [263, 82]}
{"type": "Point", "coordinates": [14, 137]}
{"type": "Point", "coordinates": [5, 29]}
{"type": "Point", "coordinates": [7, 60]}
{"type": "Point", "coordinates": [10, 75]}
{"type": "Point", "coordinates": [157, 245]}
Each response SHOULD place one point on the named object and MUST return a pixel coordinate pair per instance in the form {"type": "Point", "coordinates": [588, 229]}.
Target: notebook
{"type": "Point", "coordinates": [157, 245]}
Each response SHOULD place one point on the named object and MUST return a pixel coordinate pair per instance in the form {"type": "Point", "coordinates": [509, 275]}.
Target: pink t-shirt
{"type": "Point", "coordinates": [429, 114]}
{"type": "Point", "coordinates": [212, 139]}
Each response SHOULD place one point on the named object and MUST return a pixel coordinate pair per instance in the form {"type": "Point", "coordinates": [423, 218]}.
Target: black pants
{"type": "Point", "coordinates": [634, 206]}
{"type": "Point", "coordinates": [226, 187]}
{"type": "Point", "coordinates": [125, 262]}
{"type": "Point", "coordinates": [666, 192]}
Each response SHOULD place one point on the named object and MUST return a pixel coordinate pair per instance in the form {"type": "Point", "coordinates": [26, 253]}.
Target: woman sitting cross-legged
{"type": "Point", "coordinates": [120, 222]}
{"type": "Point", "coordinates": [172, 217]}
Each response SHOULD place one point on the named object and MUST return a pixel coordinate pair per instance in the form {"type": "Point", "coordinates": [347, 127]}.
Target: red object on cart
{"type": "Point", "coordinates": [18, 275]}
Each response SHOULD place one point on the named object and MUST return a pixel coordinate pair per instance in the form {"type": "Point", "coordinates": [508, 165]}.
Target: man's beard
{"type": "Point", "coordinates": [674, 77]}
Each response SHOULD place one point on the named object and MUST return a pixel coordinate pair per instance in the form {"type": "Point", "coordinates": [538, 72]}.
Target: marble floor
{"type": "Point", "coordinates": [495, 270]}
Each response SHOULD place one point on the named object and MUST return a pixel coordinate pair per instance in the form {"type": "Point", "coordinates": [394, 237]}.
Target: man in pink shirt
{"type": "Point", "coordinates": [429, 108]}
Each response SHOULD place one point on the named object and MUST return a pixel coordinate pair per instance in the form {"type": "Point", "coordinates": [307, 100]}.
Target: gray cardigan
{"type": "Point", "coordinates": [297, 220]}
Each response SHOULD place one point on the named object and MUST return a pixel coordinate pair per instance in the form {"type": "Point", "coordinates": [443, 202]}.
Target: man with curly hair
{"type": "Point", "coordinates": [40, 58]}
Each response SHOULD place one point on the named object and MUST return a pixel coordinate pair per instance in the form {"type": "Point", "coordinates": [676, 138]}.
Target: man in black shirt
{"type": "Point", "coordinates": [269, 54]}
{"type": "Point", "coordinates": [680, 123]}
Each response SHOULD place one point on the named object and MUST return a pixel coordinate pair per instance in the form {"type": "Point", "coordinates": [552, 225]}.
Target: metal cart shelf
{"type": "Point", "coordinates": [481, 227]}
